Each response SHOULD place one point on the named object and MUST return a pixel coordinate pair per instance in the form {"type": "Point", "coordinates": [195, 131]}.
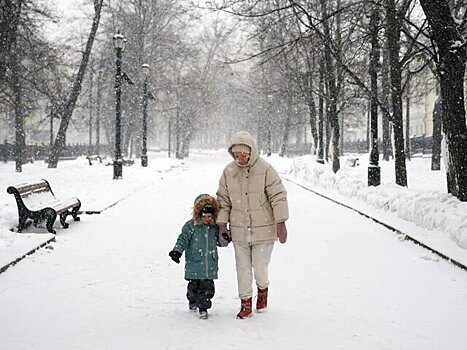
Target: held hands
{"type": "Point", "coordinates": [281, 232]}
{"type": "Point", "coordinates": [175, 255]}
{"type": "Point", "coordinates": [224, 237]}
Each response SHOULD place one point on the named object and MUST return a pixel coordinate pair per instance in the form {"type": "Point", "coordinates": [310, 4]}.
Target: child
{"type": "Point", "coordinates": [199, 241]}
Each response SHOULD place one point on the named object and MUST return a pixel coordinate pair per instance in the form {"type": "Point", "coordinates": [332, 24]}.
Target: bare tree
{"type": "Point", "coordinates": [65, 110]}
{"type": "Point", "coordinates": [30, 68]}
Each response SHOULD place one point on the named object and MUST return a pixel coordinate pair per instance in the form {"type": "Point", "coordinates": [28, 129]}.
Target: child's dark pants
{"type": "Point", "coordinates": [200, 293]}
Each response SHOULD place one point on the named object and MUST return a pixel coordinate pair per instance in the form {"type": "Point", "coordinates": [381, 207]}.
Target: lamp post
{"type": "Point", "coordinates": [119, 44]}
{"type": "Point", "coordinates": [374, 171]}
{"type": "Point", "coordinates": [144, 151]}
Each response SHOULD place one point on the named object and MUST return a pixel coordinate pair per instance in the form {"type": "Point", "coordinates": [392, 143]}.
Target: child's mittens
{"type": "Point", "coordinates": [175, 255]}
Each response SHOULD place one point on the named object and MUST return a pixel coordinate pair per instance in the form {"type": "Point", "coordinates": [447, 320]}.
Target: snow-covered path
{"type": "Point", "coordinates": [340, 282]}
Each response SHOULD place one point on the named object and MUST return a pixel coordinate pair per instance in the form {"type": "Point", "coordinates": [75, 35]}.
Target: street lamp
{"type": "Point", "coordinates": [119, 44]}
{"type": "Point", "coordinates": [144, 156]}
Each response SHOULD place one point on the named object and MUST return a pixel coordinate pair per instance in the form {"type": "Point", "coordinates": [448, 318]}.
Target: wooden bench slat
{"type": "Point", "coordinates": [27, 189]}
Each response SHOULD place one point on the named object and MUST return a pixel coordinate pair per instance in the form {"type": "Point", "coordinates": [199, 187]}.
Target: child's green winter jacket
{"type": "Point", "coordinates": [199, 242]}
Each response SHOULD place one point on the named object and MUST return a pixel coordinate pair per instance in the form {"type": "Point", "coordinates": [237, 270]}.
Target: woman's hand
{"type": "Point", "coordinates": [281, 232]}
{"type": "Point", "coordinates": [223, 237]}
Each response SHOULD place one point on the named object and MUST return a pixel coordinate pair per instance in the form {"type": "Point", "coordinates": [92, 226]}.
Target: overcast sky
{"type": "Point", "coordinates": [67, 12]}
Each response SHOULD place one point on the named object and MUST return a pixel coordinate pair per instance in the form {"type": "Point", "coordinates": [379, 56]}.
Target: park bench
{"type": "Point", "coordinates": [128, 162]}
{"type": "Point", "coordinates": [37, 202]}
{"type": "Point", "coordinates": [94, 159]}
{"type": "Point", "coordinates": [352, 162]}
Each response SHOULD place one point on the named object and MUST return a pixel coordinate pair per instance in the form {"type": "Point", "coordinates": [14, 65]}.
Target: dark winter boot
{"type": "Point", "coordinates": [245, 309]}
{"type": "Point", "coordinates": [203, 314]}
{"type": "Point", "coordinates": [262, 300]}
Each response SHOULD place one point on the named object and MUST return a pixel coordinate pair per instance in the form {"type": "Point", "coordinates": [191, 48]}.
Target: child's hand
{"type": "Point", "coordinates": [175, 255]}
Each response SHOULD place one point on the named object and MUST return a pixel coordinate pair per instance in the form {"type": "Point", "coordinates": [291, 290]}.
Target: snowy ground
{"type": "Point", "coordinates": [340, 282]}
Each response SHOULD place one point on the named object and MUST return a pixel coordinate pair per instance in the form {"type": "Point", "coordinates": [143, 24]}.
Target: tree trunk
{"type": "Point", "coordinates": [66, 109]}
{"type": "Point", "coordinates": [327, 131]}
{"type": "Point", "coordinates": [374, 171]}
{"type": "Point", "coordinates": [386, 117]}
{"type": "Point", "coordinates": [91, 107]}
{"type": "Point", "coordinates": [309, 98]}
{"type": "Point", "coordinates": [311, 110]}
{"type": "Point", "coordinates": [169, 137]}
{"type": "Point", "coordinates": [285, 133]}
{"type": "Point", "coordinates": [98, 112]}
{"type": "Point", "coordinates": [451, 70]}
{"type": "Point", "coordinates": [437, 136]}
{"type": "Point", "coordinates": [320, 158]}
{"type": "Point", "coordinates": [334, 121]}
{"type": "Point", "coordinates": [10, 57]}
{"type": "Point", "coordinates": [20, 139]}
{"type": "Point", "coordinates": [393, 31]}
{"type": "Point", "coordinates": [408, 147]}
{"type": "Point", "coordinates": [341, 140]}
{"type": "Point", "coordinates": [178, 137]}
{"type": "Point", "coordinates": [332, 84]}
{"type": "Point", "coordinates": [10, 11]}
{"type": "Point", "coordinates": [314, 129]}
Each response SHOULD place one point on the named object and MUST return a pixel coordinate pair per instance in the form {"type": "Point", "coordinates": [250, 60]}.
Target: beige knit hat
{"type": "Point", "coordinates": [241, 149]}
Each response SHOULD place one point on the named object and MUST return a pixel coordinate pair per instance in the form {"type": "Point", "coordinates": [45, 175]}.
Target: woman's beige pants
{"type": "Point", "coordinates": [252, 261]}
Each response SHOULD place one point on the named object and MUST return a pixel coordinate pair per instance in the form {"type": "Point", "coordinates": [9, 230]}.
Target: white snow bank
{"type": "Point", "coordinates": [428, 208]}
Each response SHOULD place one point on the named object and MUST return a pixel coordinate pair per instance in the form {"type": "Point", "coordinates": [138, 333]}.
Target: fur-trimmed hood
{"type": "Point", "coordinates": [200, 202]}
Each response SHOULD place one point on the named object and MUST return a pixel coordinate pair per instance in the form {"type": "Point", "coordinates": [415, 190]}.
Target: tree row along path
{"type": "Point", "coordinates": [340, 282]}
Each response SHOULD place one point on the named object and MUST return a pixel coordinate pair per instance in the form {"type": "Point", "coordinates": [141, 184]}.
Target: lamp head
{"type": "Point", "coordinates": [145, 68]}
{"type": "Point", "coordinates": [119, 41]}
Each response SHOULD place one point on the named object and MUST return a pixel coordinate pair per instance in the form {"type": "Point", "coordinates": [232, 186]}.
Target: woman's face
{"type": "Point", "coordinates": [241, 158]}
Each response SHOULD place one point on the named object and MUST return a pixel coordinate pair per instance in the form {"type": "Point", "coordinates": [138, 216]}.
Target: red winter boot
{"type": "Point", "coordinates": [245, 309]}
{"type": "Point", "coordinates": [262, 300]}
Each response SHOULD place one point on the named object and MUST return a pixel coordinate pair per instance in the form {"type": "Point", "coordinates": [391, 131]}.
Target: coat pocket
{"type": "Point", "coordinates": [194, 256]}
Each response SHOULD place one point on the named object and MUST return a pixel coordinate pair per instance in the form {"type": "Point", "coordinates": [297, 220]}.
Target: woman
{"type": "Point", "coordinates": [253, 201]}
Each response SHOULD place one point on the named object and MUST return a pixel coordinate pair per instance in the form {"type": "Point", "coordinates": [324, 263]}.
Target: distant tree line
{"type": "Point", "coordinates": [283, 69]}
{"type": "Point", "coordinates": [316, 53]}
{"type": "Point", "coordinates": [59, 86]}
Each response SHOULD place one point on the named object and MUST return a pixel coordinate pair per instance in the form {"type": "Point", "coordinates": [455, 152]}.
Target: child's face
{"type": "Point", "coordinates": [207, 217]}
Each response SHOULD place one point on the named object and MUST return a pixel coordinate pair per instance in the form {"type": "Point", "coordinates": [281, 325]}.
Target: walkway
{"type": "Point", "coordinates": [340, 282]}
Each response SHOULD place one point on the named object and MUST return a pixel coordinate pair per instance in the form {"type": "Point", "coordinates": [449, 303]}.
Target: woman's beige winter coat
{"type": "Point", "coordinates": [252, 197]}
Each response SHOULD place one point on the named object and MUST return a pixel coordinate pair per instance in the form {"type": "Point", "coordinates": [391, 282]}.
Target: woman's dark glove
{"type": "Point", "coordinates": [175, 255]}
{"type": "Point", "coordinates": [282, 232]}
{"type": "Point", "coordinates": [224, 237]}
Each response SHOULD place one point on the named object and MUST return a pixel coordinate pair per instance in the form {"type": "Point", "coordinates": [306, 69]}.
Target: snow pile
{"type": "Point", "coordinates": [429, 209]}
